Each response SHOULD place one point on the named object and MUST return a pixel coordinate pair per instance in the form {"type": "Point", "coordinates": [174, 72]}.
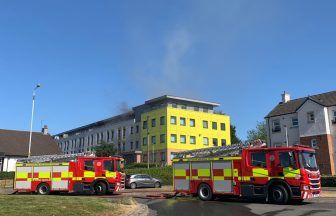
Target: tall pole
{"type": "Point", "coordinates": [286, 131]}
{"type": "Point", "coordinates": [31, 120]}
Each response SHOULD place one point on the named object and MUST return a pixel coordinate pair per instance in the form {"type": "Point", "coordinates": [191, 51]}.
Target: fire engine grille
{"type": "Point", "coordinates": [315, 183]}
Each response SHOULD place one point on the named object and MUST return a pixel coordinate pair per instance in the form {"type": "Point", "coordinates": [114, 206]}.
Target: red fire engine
{"type": "Point", "coordinates": [276, 174]}
{"type": "Point", "coordinates": [79, 174]}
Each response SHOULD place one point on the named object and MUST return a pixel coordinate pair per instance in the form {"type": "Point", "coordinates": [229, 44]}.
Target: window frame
{"type": "Point", "coordinates": [153, 138]}
{"type": "Point", "coordinates": [295, 119]}
{"type": "Point", "coordinates": [185, 139]}
{"type": "Point", "coordinates": [276, 128]}
{"type": "Point", "coordinates": [153, 122]}
{"type": "Point", "coordinates": [191, 138]}
{"type": "Point", "coordinates": [85, 166]}
{"type": "Point", "coordinates": [113, 165]}
{"type": "Point", "coordinates": [162, 120]}
{"type": "Point", "coordinates": [256, 165]}
{"type": "Point", "coordinates": [194, 122]}
{"type": "Point", "coordinates": [214, 125]}
{"type": "Point", "coordinates": [309, 115]}
{"type": "Point", "coordinates": [171, 120]}
{"type": "Point", "coordinates": [184, 120]}
{"type": "Point", "coordinates": [171, 136]}
{"type": "Point", "coordinates": [207, 139]}
{"type": "Point", "coordinates": [205, 124]}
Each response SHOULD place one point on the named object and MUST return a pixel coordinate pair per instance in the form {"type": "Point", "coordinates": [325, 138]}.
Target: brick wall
{"type": "Point", "coordinates": [324, 153]}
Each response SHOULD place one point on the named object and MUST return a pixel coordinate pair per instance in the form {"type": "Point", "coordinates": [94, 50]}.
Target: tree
{"type": "Point", "coordinates": [234, 138]}
{"type": "Point", "coordinates": [104, 149]}
{"type": "Point", "coordinates": [258, 133]}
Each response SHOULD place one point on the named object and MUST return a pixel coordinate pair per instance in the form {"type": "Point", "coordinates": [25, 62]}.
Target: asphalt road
{"type": "Point", "coordinates": [321, 206]}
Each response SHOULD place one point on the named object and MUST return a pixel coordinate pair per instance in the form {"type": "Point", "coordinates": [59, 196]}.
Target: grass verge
{"type": "Point", "coordinates": [12, 205]}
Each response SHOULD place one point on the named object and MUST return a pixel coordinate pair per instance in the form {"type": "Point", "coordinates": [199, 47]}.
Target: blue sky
{"type": "Point", "coordinates": [93, 56]}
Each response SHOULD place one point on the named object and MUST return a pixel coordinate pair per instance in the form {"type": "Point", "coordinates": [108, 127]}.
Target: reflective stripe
{"type": "Point", "coordinates": [259, 172]}
{"type": "Point", "coordinates": [203, 172]}
{"type": "Point", "coordinates": [110, 174]}
{"type": "Point", "coordinates": [290, 172]}
{"type": "Point", "coordinates": [180, 172]}
{"type": "Point", "coordinates": [88, 174]}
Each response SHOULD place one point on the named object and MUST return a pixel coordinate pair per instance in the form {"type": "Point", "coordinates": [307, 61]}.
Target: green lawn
{"type": "Point", "coordinates": [63, 205]}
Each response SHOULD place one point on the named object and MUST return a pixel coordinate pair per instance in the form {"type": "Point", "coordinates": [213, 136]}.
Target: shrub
{"type": "Point", "coordinates": [165, 174]}
{"type": "Point", "coordinates": [328, 181]}
{"type": "Point", "coordinates": [7, 175]}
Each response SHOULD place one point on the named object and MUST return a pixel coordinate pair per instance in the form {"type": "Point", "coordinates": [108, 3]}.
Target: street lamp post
{"type": "Point", "coordinates": [32, 118]}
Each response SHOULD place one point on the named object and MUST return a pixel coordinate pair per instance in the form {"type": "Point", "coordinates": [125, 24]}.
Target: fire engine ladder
{"type": "Point", "coordinates": [230, 150]}
{"type": "Point", "coordinates": [52, 158]}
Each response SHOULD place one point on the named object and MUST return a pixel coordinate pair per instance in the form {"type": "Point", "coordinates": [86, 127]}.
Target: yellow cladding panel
{"type": "Point", "coordinates": [227, 172]}
{"type": "Point", "coordinates": [197, 131]}
{"type": "Point", "coordinates": [155, 131]}
{"type": "Point", "coordinates": [290, 172]}
{"type": "Point", "coordinates": [218, 178]}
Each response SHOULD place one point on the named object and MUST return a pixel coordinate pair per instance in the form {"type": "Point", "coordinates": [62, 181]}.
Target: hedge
{"type": "Point", "coordinates": [165, 174]}
{"type": "Point", "coordinates": [328, 181]}
{"type": "Point", "coordinates": [7, 175]}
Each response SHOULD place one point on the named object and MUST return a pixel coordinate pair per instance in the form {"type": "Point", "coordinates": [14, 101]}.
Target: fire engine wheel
{"type": "Point", "coordinates": [204, 192]}
{"type": "Point", "coordinates": [100, 188]}
{"type": "Point", "coordinates": [278, 194]}
{"type": "Point", "coordinates": [43, 189]}
{"type": "Point", "coordinates": [133, 185]}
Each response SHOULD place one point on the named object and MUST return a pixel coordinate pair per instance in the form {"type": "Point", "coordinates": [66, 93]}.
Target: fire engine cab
{"type": "Point", "coordinates": [276, 174]}
{"type": "Point", "coordinates": [69, 173]}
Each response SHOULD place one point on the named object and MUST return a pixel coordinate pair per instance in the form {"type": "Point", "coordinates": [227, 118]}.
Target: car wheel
{"type": "Point", "coordinates": [278, 195]}
{"type": "Point", "coordinates": [133, 185]}
{"type": "Point", "coordinates": [157, 185]}
{"type": "Point", "coordinates": [43, 189]}
{"type": "Point", "coordinates": [204, 192]}
{"type": "Point", "coordinates": [100, 188]}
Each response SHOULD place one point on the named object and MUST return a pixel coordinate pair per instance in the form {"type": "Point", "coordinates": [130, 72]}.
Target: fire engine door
{"type": "Point", "coordinates": [222, 176]}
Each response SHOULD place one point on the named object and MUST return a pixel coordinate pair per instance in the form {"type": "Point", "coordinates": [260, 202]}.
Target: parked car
{"type": "Point", "coordinates": [142, 180]}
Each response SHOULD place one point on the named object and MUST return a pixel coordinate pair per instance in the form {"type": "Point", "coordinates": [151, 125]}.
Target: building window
{"type": "Point", "coordinates": [123, 146]}
{"type": "Point", "coordinates": [183, 139]}
{"type": "Point", "coordinates": [173, 120]}
{"type": "Point", "coordinates": [223, 142]}
{"type": "Point", "coordinates": [108, 135]}
{"type": "Point", "coordinates": [174, 105]}
{"type": "Point", "coordinates": [136, 144]}
{"type": "Point", "coordinates": [132, 130]}
{"type": "Point", "coordinates": [163, 156]}
{"type": "Point", "coordinates": [173, 138]}
{"type": "Point", "coordinates": [119, 133]}
{"type": "Point", "coordinates": [192, 122]}
{"type": "Point", "coordinates": [310, 117]}
{"type": "Point", "coordinates": [295, 122]}
{"type": "Point", "coordinates": [276, 126]}
{"type": "Point", "coordinates": [112, 134]}
{"type": "Point", "coordinates": [162, 138]}
{"type": "Point", "coordinates": [196, 108]}
{"type": "Point", "coordinates": [214, 125]}
{"type": "Point", "coordinates": [182, 121]}
{"type": "Point", "coordinates": [205, 124]}
{"type": "Point", "coordinates": [183, 106]}
{"type": "Point", "coordinates": [162, 120]}
{"type": "Point", "coordinates": [153, 122]}
{"type": "Point", "coordinates": [144, 141]}
{"type": "Point", "coordinates": [124, 132]}
{"type": "Point", "coordinates": [334, 117]}
{"type": "Point", "coordinates": [153, 140]}
{"type": "Point", "coordinates": [144, 125]}
{"type": "Point", "coordinates": [205, 141]}
{"type": "Point", "coordinates": [222, 126]}
{"type": "Point", "coordinates": [131, 145]}
{"type": "Point", "coordinates": [192, 140]}
{"type": "Point", "coordinates": [137, 129]}
{"type": "Point", "coordinates": [313, 143]}
{"type": "Point", "coordinates": [205, 110]}
{"type": "Point", "coordinates": [215, 142]}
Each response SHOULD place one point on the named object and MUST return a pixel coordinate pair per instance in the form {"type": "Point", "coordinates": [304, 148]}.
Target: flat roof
{"type": "Point", "coordinates": [164, 97]}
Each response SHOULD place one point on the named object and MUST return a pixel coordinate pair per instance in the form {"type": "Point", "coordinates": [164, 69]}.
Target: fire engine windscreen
{"type": "Point", "coordinates": [308, 160]}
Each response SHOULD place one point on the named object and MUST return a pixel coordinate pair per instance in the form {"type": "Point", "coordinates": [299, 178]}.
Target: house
{"type": "Point", "coordinates": [14, 145]}
{"type": "Point", "coordinates": [308, 121]}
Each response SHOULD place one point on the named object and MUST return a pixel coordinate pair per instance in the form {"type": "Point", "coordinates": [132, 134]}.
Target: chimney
{"type": "Point", "coordinates": [45, 130]}
{"type": "Point", "coordinates": [285, 97]}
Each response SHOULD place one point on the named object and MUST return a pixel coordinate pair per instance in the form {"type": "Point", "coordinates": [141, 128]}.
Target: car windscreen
{"type": "Point", "coordinates": [308, 160]}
